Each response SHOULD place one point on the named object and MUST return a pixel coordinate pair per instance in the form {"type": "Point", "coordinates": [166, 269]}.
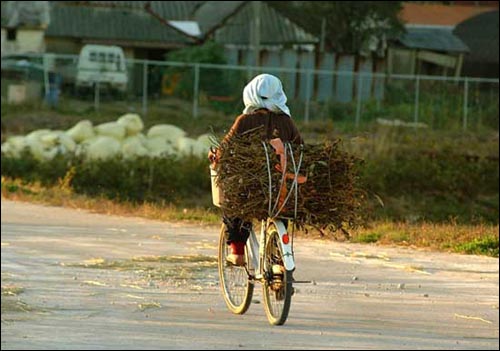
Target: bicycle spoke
{"type": "Point", "coordinates": [236, 288]}
{"type": "Point", "coordinates": [277, 288]}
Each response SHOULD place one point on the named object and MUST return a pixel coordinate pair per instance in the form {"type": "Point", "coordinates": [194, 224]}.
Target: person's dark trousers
{"type": "Point", "coordinates": [236, 229]}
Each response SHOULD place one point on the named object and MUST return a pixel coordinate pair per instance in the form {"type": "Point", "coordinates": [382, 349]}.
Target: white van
{"type": "Point", "coordinates": [104, 64]}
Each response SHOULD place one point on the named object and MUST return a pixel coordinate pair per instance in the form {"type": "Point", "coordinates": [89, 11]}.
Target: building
{"type": "Point", "coordinates": [431, 44]}
{"type": "Point", "coordinates": [480, 33]}
{"type": "Point", "coordinates": [135, 26]}
{"type": "Point", "coordinates": [147, 29]}
{"type": "Point", "coordinates": [23, 26]}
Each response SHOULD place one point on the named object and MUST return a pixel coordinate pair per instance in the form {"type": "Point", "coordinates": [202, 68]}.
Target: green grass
{"type": "Point", "coordinates": [479, 239]}
{"type": "Point", "coordinates": [480, 246]}
{"type": "Point", "coordinates": [371, 237]}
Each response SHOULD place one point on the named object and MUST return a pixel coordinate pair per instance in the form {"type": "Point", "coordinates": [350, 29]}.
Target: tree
{"type": "Point", "coordinates": [350, 26]}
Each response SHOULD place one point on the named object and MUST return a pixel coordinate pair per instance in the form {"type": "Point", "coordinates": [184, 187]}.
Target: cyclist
{"type": "Point", "coordinates": [265, 106]}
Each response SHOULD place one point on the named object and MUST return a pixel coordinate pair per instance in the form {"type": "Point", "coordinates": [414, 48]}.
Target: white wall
{"type": "Point", "coordinates": [27, 41]}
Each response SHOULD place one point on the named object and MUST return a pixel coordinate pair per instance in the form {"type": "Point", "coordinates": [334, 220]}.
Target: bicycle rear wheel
{"type": "Point", "coordinates": [236, 287]}
{"type": "Point", "coordinates": [277, 288]}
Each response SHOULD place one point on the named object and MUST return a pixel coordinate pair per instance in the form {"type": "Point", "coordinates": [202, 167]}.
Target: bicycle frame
{"type": "Point", "coordinates": [255, 247]}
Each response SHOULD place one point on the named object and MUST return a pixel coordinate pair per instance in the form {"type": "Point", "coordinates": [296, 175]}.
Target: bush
{"type": "Point", "coordinates": [152, 179]}
{"type": "Point", "coordinates": [436, 186]}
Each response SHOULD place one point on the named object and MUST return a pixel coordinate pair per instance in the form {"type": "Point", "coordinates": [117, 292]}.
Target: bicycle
{"type": "Point", "coordinates": [269, 259]}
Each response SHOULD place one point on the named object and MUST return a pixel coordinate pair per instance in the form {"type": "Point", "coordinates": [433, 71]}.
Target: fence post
{"type": "Point", "coordinates": [196, 90]}
{"type": "Point", "coordinates": [308, 96]}
{"type": "Point", "coordinates": [466, 97]}
{"type": "Point", "coordinates": [358, 101]}
{"type": "Point", "coordinates": [45, 76]}
{"type": "Point", "coordinates": [417, 98]}
{"type": "Point", "coordinates": [145, 88]}
{"type": "Point", "coordinates": [96, 95]}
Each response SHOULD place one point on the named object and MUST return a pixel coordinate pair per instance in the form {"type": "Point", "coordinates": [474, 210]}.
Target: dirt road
{"type": "Point", "coordinates": [76, 280]}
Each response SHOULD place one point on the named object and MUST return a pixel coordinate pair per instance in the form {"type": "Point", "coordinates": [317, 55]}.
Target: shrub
{"type": "Point", "coordinates": [154, 179]}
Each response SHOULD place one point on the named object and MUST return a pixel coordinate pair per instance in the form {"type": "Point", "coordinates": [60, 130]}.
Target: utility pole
{"type": "Point", "coordinates": [256, 31]}
{"type": "Point", "coordinates": [323, 35]}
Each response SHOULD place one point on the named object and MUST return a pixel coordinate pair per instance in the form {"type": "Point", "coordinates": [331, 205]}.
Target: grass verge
{"type": "Point", "coordinates": [61, 195]}
{"type": "Point", "coordinates": [482, 239]}
{"type": "Point", "coordinates": [479, 239]}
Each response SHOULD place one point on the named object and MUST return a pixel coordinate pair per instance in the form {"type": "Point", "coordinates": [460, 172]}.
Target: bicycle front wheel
{"type": "Point", "coordinates": [277, 288]}
{"type": "Point", "coordinates": [236, 287]}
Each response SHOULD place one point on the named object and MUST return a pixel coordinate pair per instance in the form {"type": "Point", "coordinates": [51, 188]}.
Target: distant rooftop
{"type": "Point", "coordinates": [436, 14]}
{"type": "Point", "coordinates": [436, 39]}
{"type": "Point", "coordinates": [104, 25]}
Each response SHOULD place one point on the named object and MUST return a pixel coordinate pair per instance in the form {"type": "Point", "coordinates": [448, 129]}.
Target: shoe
{"type": "Point", "coordinates": [236, 260]}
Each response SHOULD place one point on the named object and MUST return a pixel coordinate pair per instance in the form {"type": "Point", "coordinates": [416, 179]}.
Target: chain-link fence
{"type": "Point", "coordinates": [349, 99]}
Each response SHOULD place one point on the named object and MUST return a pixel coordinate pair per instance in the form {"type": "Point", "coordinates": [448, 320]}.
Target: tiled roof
{"type": "Point", "coordinates": [275, 28]}
{"type": "Point", "coordinates": [169, 10]}
{"type": "Point", "coordinates": [436, 39]}
{"type": "Point", "coordinates": [212, 14]}
{"type": "Point", "coordinates": [435, 14]}
{"type": "Point", "coordinates": [111, 24]}
{"type": "Point", "coordinates": [147, 22]}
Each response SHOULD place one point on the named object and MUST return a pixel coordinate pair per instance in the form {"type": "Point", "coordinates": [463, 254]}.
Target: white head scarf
{"type": "Point", "coordinates": [265, 91]}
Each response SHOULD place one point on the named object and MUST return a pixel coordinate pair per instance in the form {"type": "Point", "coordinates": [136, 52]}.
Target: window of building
{"type": "Point", "coordinates": [11, 34]}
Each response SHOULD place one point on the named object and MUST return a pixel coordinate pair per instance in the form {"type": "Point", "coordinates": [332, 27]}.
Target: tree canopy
{"type": "Point", "coordinates": [350, 26]}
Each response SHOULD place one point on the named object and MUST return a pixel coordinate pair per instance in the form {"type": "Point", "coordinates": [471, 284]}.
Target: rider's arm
{"type": "Point", "coordinates": [236, 129]}
{"type": "Point", "coordinates": [296, 138]}
{"type": "Point", "coordinates": [213, 155]}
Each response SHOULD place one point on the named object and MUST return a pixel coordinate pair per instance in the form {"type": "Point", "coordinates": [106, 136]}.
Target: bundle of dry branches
{"type": "Point", "coordinates": [328, 199]}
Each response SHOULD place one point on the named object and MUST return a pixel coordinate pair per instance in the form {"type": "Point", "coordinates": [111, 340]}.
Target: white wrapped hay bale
{"type": "Point", "coordinates": [169, 132]}
{"type": "Point", "coordinates": [132, 122]}
{"type": "Point", "coordinates": [102, 148]}
{"type": "Point", "coordinates": [60, 140]}
{"type": "Point", "coordinates": [65, 141]}
{"type": "Point", "coordinates": [82, 148]}
{"type": "Point", "coordinates": [49, 139]}
{"type": "Point", "coordinates": [81, 131]}
{"type": "Point", "coordinates": [201, 150]}
{"type": "Point", "coordinates": [14, 146]}
{"type": "Point", "coordinates": [159, 147]}
{"type": "Point", "coordinates": [206, 140]}
{"type": "Point", "coordinates": [134, 146]}
{"type": "Point", "coordinates": [40, 151]}
{"type": "Point", "coordinates": [188, 146]}
{"type": "Point", "coordinates": [111, 129]}
{"type": "Point", "coordinates": [7, 150]}
{"type": "Point", "coordinates": [37, 134]}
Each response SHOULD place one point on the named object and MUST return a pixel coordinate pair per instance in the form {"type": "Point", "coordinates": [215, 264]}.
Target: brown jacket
{"type": "Point", "coordinates": [277, 125]}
